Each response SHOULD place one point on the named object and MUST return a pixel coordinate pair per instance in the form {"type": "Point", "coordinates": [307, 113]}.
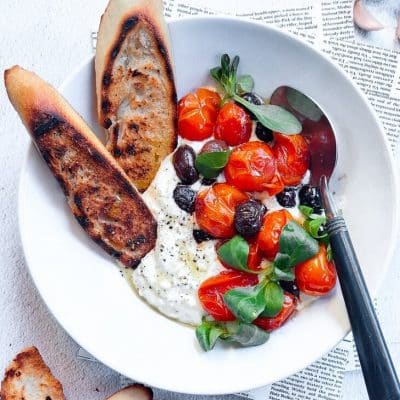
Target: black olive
{"type": "Point", "coordinates": [291, 287]}
{"type": "Point", "coordinates": [264, 133]}
{"type": "Point", "coordinates": [201, 236]}
{"type": "Point", "coordinates": [185, 197]}
{"type": "Point", "coordinates": [253, 99]}
{"type": "Point", "coordinates": [184, 163]}
{"type": "Point", "coordinates": [214, 145]}
{"type": "Point", "coordinates": [310, 196]}
{"type": "Point", "coordinates": [287, 198]}
{"type": "Point", "coordinates": [208, 181]}
{"type": "Point", "coordinates": [248, 217]}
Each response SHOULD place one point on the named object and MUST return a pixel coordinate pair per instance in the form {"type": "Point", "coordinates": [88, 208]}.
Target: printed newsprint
{"type": "Point", "coordinates": [328, 25]}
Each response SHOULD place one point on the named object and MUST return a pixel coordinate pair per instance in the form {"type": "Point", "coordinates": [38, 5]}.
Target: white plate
{"type": "Point", "coordinates": [87, 294]}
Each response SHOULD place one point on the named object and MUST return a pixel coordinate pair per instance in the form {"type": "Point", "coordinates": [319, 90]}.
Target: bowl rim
{"type": "Point", "coordinates": [394, 183]}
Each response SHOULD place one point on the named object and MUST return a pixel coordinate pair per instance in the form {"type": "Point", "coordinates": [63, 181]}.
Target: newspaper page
{"type": "Point", "coordinates": [329, 26]}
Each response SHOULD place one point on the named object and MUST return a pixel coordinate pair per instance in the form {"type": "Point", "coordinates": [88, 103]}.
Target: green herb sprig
{"type": "Point", "coordinates": [210, 164]}
{"type": "Point", "coordinates": [271, 116]}
{"type": "Point", "coordinates": [236, 332]}
{"type": "Point", "coordinates": [264, 299]}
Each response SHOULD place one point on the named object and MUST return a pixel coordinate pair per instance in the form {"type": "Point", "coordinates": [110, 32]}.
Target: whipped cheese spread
{"type": "Point", "coordinates": [168, 277]}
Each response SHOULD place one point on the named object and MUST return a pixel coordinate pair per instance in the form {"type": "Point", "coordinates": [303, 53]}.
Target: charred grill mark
{"type": "Point", "coordinates": [117, 152]}
{"type": "Point", "coordinates": [107, 123]}
{"type": "Point", "coordinates": [106, 79]}
{"type": "Point", "coordinates": [78, 201]}
{"type": "Point", "coordinates": [127, 26]}
{"type": "Point", "coordinates": [134, 127]}
{"type": "Point", "coordinates": [137, 241]}
{"type": "Point", "coordinates": [131, 150]}
{"type": "Point", "coordinates": [136, 72]}
{"type": "Point", "coordinates": [109, 229]}
{"type": "Point", "coordinates": [83, 221]}
{"type": "Point", "coordinates": [44, 123]}
{"type": "Point", "coordinates": [98, 158]}
{"type": "Point", "coordinates": [105, 106]}
{"type": "Point", "coordinates": [115, 131]}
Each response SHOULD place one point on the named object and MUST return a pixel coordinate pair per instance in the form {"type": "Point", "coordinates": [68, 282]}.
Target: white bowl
{"type": "Point", "coordinates": [84, 289]}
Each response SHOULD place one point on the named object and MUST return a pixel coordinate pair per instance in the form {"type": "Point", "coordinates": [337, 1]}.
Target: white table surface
{"type": "Point", "coordinates": [52, 37]}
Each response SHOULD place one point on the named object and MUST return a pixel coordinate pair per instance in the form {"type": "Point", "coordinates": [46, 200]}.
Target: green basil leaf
{"type": "Point", "coordinates": [273, 300]}
{"type": "Point", "coordinates": [211, 164]}
{"type": "Point", "coordinates": [273, 117]}
{"type": "Point", "coordinates": [235, 253]}
{"type": "Point", "coordinates": [303, 105]}
{"type": "Point", "coordinates": [313, 227]}
{"type": "Point", "coordinates": [234, 66]}
{"type": "Point", "coordinates": [216, 73]}
{"type": "Point", "coordinates": [248, 335]}
{"type": "Point", "coordinates": [282, 275]}
{"type": "Point", "coordinates": [246, 303]}
{"type": "Point", "coordinates": [295, 246]}
{"type": "Point", "coordinates": [207, 335]}
{"type": "Point", "coordinates": [306, 211]}
{"type": "Point", "coordinates": [245, 84]}
{"type": "Point", "coordinates": [225, 61]}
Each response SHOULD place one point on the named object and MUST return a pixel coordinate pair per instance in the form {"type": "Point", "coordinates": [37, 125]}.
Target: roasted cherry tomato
{"type": "Point", "coordinates": [251, 166]}
{"type": "Point", "coordinates": [211, 292]}
{"type": "Point", "coordinates": [233, 125]}
{"type": "Point", "coordinates": [215, 209]}
{"type": "Point", "coordinates": [316, 276]}
{"type": "Point", "coordinates": [253, 259]}
{"type": "Point", "coordinates": [197, 113]}
{"type": "Point", "coordinates": [289, 306]}
{"type": "Point", "coordinates": [268, 237]}
{"type": "Point", "coordinates": [292, 158]}
{"type": "Point", "coordinates": [275, 186]}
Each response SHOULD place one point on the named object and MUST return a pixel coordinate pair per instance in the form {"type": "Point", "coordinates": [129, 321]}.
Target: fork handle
{"type": "Point", "coordinates": [377, 366]}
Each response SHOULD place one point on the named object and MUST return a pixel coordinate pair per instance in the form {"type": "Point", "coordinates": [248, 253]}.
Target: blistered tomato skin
{"type": "Point", "coordinates": [292, 158]}
{"type": "Point", "coordinates": [270, 232]}
{"type": "Point", "coordinates": [233, 125]}
{"type": "Point", "coordinates": [215, 209]}
{"type": "Point", "coordinates": [288, 309]}
{"type": "Point", "coordinates": [251, 167]}
{"type": "Point", "coordinates": [197, 113]}
{"type": "Point", "coordinates": [211, 292]}
{"type": "Point", "coordinates": [316, 276]}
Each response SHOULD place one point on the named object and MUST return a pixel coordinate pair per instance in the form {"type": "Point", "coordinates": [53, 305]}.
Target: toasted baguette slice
{"type": "Point", "coordinates": [133, 392]}
{"type": "Point", "coordinates": [136, 97]}
{"type": "Point", "coordinates": [100, 194]}
{"type": "Point", "coordinates": [29, 378]}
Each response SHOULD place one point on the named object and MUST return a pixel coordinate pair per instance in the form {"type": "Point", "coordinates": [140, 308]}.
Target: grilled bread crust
{"type": "Point", "coordinates": [133, 392]}
{"type": "Point", "coordinates": [136, 96]}
{"type": "Point", "coordinates": [99, 193]}
{"type": "Point", "coordinates": [29, 378]}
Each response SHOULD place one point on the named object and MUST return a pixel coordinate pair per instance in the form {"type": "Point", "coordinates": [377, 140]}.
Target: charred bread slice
{"type": "Point", "coordinates": [136, 96]}
{"type": "Point", "coordinates": [100, 194]}
{"type": "Point", "coordinates": [29, 378]}
{"type": "Point", "coordinates": [133, 392]}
